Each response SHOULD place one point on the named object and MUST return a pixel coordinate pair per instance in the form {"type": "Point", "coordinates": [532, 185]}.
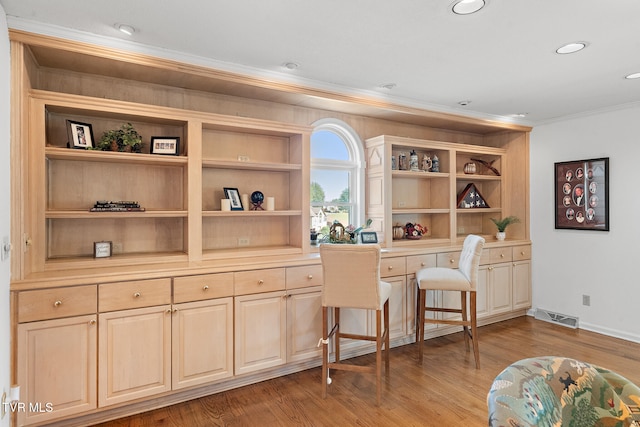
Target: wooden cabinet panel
{"type": "Point", "coordinates": [393, 266]}
{"type": "Point", "coordinates": [304, 276]}
{"type": "Point", "coordinates": [202, 342]}
{"type": "Point", "coordinates": [134, 294]}
{"type": "Point", "coordinates": [418, 262]}
{"type": "Point", "coordinates": [202, 287]}
{"type": "Point", "coordinates": [499, 255]}
{"type": "Point", "coordinates": [135, 354]}
{"type": "Point", "coordinates": [521, 285]}
{"type": "Point", "coordinates": [304, 323]}
{"type": "Point", "coordinates": [57, 366]}
{"type": "Point", "coordinates": [448, 259]}
{"type": "Point", "coordinates": [257, 281]}
{"type": "Point", "coordinates": [521, 252]}
{"type": "Point", "coordinates": [260, 331]}
{"type": "Point", "coordinates": [57, 303]}
{"type": "Point", "coordinates": [500, 288]}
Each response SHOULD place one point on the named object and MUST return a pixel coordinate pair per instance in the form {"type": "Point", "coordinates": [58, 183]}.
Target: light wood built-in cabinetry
{"type": "Point", "coordinates": [195, 300]}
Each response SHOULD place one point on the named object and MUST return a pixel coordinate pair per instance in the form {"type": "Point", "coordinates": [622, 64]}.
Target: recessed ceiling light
{"type": "Point", "coordinates": [126, 28]}
{"type": "Point", "coordinates": [387, 86]}
{"type": "Point", "coordinates": [466, 7]}
{"type": "Point", "coordinates": [518, 115]}
{"type": "Point", "coordinates": [571, 47]}
{"type": "Point", "coordinates": [633, 76]}
{"type": "Point", "coordinates": [464, 103]}
{"type": "Point", "coordinates": [291, 65]}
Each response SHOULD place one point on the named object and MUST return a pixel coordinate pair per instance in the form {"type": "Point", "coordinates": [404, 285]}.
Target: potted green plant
{"type": "Point", "coordinates": [125, 139]}
{"type": "Point", "coordinates": [502, 225]}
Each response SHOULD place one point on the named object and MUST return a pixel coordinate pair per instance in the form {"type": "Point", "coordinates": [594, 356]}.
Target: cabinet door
{"type": "Point", "coordinates": [134, 354]}
{"type": "Point", "coordinates": [522, 285]}
{"type": "Point", "coordinates": [57, 367]}
{"type": "Point", "coordinates": [304, 324]}
{"type": "Point", "coordinates": [202, 342]}
{"type": "Point", "coordinates": [398, 307]}
{"type": "Point", "coordinates": [500, 288]}
{"type": "Point", "coordinates": [260, 336]}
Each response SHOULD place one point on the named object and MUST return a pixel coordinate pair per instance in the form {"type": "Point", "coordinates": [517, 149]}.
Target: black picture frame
{"type": "Point", "coordinates": [234, 195]}
{"type": "Point", "coordinates": [165, 145]}
{"type": "Point", "coordinates": [80, 135]}
{"type": "Point", "coordinates": [102, 249]}
{"type": "Point", "coordinates": [582, 194]}
{"type": "Point", "coordinates": [368, 237]}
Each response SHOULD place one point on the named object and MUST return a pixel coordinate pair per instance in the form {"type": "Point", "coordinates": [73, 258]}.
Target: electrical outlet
{"type": "Point", "coordinates": [243, 241]}
{"type": "Point", "coordinates": [401, 204]}
{"type": "Point", "coordinates": [586, 300]}
{"type": "Point", "coordinates": [460, 230]}
{"type": "Point", "coordinates": [242, 158]}
{"type": "Point", "coordinates": [117, 247]}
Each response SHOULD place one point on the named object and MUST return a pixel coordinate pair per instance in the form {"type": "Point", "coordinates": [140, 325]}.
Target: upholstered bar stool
{"type": "Point", "coordinates": [352, 280]}
{"type": "Point", "coordinates": [463, 279]}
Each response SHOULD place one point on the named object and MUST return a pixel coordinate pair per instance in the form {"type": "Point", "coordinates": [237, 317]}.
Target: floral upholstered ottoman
{"type": "Point", "coordinates": [557, 391]}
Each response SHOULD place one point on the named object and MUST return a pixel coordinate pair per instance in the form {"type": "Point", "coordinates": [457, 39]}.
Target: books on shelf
{"type": "Point", "coordinates": [116, 206]}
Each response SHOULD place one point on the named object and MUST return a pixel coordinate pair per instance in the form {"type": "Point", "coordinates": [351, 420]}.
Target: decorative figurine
{"type": "Point", "coordinates": [413, 161]}
{"type": "Point", "coordinates": [435, 164]}
{"type": "Point", "coordinates": [256, 201]}
{"type": "Point", "coordinates": [426, 163]}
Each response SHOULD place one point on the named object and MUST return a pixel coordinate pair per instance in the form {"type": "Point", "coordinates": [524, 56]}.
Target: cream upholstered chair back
{"type": "Point", "coordinates": [470, 259]}
{"type": "Point", "coordinates": [351, 275]}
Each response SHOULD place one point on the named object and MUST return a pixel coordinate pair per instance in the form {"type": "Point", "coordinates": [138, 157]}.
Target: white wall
{"type": "Point", "coordinates": [570, 263]}
{"type": "Point", "coordinates": [5, 226]}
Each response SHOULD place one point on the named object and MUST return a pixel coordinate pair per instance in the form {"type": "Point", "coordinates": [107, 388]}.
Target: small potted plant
{"type": "Point", "coordinates": [502, 225]}
{"type": "Point", "coordinates": [125, 139]}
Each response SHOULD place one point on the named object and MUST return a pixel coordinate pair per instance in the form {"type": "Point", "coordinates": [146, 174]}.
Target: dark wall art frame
{"type": "Point", "coordinates": [582, 194]}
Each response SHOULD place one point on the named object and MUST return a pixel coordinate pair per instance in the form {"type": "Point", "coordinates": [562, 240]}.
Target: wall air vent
{"type": "Point", "coordinates": [560, 319]}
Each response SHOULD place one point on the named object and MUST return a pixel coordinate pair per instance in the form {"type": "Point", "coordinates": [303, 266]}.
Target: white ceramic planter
{"type": "Point", "coordinates": [500, 235]}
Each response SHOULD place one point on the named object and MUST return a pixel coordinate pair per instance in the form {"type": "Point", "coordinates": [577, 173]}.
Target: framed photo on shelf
{"type": "Point", "coordinates": [233, 195]}
{"type": "Point", "coordinates": [166, 145]}
{"type": "Point", "coordinates": [582, 194]}
{"type": "Point", "coordinates": [368, 237]}
{"type": "Point", "coordinates": [80, 135]}
{"type": "Point", "coordinates": [102, 249]}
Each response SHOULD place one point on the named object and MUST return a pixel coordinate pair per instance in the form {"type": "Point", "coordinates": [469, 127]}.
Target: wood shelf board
{"type": "Point", "coordinates": [471, 211]}
{"type": "Point", "coordinates": [79, 214]}
{"type": "Point", "coordinates": [57, 153]}
{"type": "Point", "coordinates": [419, 174]}
{"type": "Point", "coordinates": [249, 252]}
{"type": "Point", "coordinates": [419, 211]}
{"type": "Point", "coordinates": [76, 263]}
{"type": "Point", "coordinates": [233, 164]}
{"type": "Point", "coordinates": [251, 213]}
{"type": "Point", "coordinates": [477, 177]}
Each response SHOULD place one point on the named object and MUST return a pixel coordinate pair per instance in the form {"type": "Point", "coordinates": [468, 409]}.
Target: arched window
{"type": "Point", "coordinates": [337, 175]}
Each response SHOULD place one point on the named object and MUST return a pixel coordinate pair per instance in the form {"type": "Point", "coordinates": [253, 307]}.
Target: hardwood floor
{"type": "Point", "coordinates": [445, 390]}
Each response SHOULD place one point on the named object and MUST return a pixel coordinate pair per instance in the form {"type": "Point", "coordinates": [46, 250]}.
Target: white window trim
{"type": "Point", "coordinates": [355, 149]}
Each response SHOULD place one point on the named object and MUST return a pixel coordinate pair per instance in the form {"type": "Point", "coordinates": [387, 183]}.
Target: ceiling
{"type": "Point", "coordinates": [499, 61]}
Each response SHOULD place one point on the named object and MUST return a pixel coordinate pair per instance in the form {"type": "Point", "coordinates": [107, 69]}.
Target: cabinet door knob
{"type": "Point", "coordinates": [57, 303]}
{"type": "Point", "coordinates": [260, 282]}
{"type": "Point", "coordinates": [522, 253]}
{"type": "Point", "coordinates": [168, 311]}
{"type": "Point", "coordinates": [422, 264]}
{"type": "Point", "coordinates": [92, 321]}
{"type": "Point", "coordinates": [205, 288]}
{"type": "Point", "coordinates": [310, 276]}
{"type": "Point", "coordinates": [136, 295]}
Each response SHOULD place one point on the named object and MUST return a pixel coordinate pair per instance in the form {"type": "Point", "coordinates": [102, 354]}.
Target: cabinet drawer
{"type": "Point", "coordinates": [395, 266]}
{"type": "Point", "coordinates": [256, 281]}
{"type": "Point", "coordinates": [448, 259]}
{"type": "Point", "coordinates": [134, 294]}
{"type": "Point", "coordinates": [56, 303]}
{"type": "Point", "coordinates": [521, 252]}
{"type": "Point", "coordinates": [202, 287]}
{"type": "Point", "coordinates": [499, 255]}
{"type": "Point", "coordinates": [418, 262]}
{"type": "Point", "coordinates": [304, 276]}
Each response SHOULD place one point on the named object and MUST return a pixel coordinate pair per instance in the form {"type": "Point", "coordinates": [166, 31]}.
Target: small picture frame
{"type": "Point", "coordinates": [102, 249]}
{"type": "Point", "coordinates": [80, 135]}
{"type": "Point", "coordinates": [165, 145]}
{"type": "Point", "coordinates": [233, 195]}
{"type": "Point", "coordinates": [368, 237]}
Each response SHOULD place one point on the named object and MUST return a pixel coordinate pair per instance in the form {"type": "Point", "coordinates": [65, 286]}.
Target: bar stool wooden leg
{"type": "Point", "coordinates": [463, 311]}
{"type": "Point", "coordinates": [474, 329]}
{"type": "Point", "coordinates": [422, 297]}
{"type": "Point", "coordinates": [325, 350]}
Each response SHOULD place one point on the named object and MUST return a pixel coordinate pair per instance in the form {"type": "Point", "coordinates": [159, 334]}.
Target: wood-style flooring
{"type": "Point", "coordinates": [445, 390]}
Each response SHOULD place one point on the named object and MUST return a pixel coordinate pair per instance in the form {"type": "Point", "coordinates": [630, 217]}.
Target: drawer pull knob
{"type": "Point", "coordinates": [92, 321]}
{"type": "Point", "coordinates": [501, 255]}
{"type": "Point", "coordinates": [522, 253]}
{"type": "Point", "coordinates": [57, 303]}
{"type": "Point", "coordinates": [136, 295]}
{"type": "Point", "coordinates": [391, 267]}
{"type": "Point", "coordinates": [310, 276]}
{"type": "Point", "coordinates": [205, 288]}
{"type": "Point", "coordinates": [260, 282]}
{"type": "Point", "coordinates": [422, 264]}
{"type": "Point", "coordinates": [452, 260]}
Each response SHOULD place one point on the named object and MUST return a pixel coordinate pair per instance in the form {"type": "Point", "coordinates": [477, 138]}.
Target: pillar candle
{"type": "Point", "coordinates": [225, 204]}
{"type": "Point", "coordinates": [271, 203]}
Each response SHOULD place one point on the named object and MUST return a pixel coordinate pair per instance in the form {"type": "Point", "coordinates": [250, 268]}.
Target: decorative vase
{"type": "Point", "coordinates": [398, 232]}
{"type": "Point", "coordinates": [500, 235]}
